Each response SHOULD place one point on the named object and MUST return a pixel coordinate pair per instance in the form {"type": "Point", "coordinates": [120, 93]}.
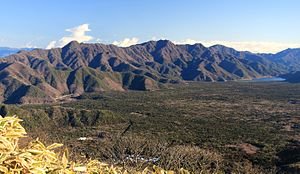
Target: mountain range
{"type": "Point", "coordinates": [41, 76]}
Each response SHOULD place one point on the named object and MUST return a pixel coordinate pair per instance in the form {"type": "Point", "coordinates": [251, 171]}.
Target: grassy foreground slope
{"type": "Point", "coordinates": [38, 158]}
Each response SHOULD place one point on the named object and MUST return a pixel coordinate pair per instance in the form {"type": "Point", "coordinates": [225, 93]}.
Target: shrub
{"type": "Point", "coordinates": [3, 110]}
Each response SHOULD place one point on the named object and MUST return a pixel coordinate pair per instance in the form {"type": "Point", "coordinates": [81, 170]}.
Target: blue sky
{"type": "Point", "coordinates": [255, 25]}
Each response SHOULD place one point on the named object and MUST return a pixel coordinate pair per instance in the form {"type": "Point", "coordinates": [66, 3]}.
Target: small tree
{"type": "Point", "coordinates": [3, 111]}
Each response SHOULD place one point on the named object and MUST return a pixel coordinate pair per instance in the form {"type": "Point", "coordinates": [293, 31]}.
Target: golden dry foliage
{"type": "Point", "coordinates": [38, 158]}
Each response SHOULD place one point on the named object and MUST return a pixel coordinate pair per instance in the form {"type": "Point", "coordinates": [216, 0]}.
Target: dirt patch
{"type": "Point", "coordinates": [248, 148]}
{"type": "Point", "coordinates": [245, 147]}
{"type": "Point", "coordinates": [139, 114]}
{"type": "Point", "coordinates": [287, 127]}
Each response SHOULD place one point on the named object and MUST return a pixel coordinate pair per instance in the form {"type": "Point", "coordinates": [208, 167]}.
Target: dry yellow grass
{"type": "Point", "coordinates": [38, 158]}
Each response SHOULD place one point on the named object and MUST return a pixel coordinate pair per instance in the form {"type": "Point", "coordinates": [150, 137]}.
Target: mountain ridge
{"type": "Point", "coordinates": [44, 75]}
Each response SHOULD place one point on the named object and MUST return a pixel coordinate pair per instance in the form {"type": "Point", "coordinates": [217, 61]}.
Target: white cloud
{"type": "Point", "coordinates": [255, 47]}
{"type": "Point", "coordinates": [126, 42]}
{"type": "Point", "coordinates": [52, 44]}
{"type": "Point", "coordinates": [99, 40]}
{"type": "Point", "coordinates": [187, 41]}
{"type": "Point", "coordinates": [29, 45]}
{"type": "Point", "coordinates": [77, 34]}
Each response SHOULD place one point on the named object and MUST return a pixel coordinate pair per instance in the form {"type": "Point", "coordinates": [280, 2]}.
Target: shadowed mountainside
{"type": "Point", "coordinates": [292, 77]}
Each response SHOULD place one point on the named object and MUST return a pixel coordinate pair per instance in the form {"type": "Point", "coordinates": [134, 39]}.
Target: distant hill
{"type": "Point", "coordinates": [6, 51]}
{"type": "Point", "coordinates": [40, 76]}
{"type": "Point", "coordinates": [289, 58]}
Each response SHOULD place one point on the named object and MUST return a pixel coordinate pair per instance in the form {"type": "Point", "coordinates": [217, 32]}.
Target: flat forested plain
{"type": "Point", "coordinates": [227, 127]}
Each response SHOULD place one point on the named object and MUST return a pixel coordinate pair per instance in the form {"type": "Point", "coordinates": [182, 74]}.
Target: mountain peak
{"type": "Point", "coordinates": [218, 46]}
{"type": "Point", "coordinates": [72, 44]}
{"type": "Point", "coordinates": [165, 43]}
{"type": "Point", "coordinates": [158, 42]}
{"type": "Point", "coordinates": [222, 49]}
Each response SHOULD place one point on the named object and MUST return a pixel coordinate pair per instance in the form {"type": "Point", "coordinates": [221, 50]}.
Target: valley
{"type": "Point", "coordinates": [221, 126]}
{"type": "Point", "coordinates": [150, 87]}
